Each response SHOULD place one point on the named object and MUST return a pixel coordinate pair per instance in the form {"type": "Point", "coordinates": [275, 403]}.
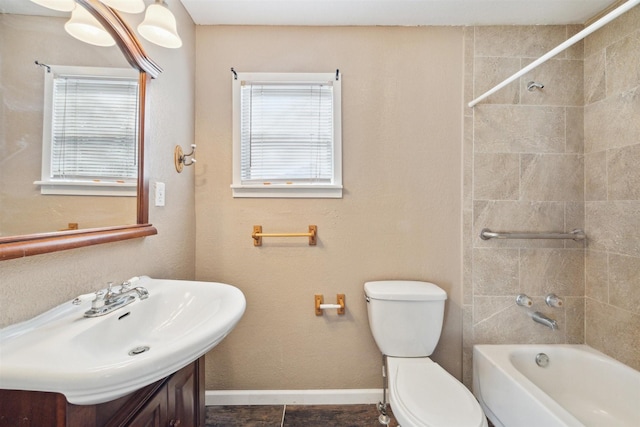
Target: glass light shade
{"type": "Point", "coordinates": [86, 28]}
{"type": "Point", "coordinates": [61, 5]}
{"type": "Point", "coordinates": [127, 6]}
{"type": "Point", "coordinates": [159, 26]}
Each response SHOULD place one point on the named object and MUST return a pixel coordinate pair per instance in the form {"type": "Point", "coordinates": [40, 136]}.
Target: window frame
{"type": "Point", "coordinates": [288, 190]}
{"type": "Point", "coordinates": [125, 187]}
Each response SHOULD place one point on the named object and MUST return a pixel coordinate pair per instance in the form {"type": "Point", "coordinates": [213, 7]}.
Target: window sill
{"type": "Point", "coordinates": [286, 191]}
{"type": "Point", "coordinates": [88, 188]}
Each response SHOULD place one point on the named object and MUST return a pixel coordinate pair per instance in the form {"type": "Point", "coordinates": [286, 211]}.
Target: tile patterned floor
{"type": "Point", "coordinates": [295, 416]}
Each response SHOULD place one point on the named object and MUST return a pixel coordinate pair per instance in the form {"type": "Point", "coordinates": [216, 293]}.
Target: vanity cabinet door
{"type": "Point", "coordinates": [185, 397]}
{"type": "Point", "coordinates": [182, 407]}
{"type": "Point", "coordinates": [178, 403]}
{"type": "Point", "coordinates": [154, 413]}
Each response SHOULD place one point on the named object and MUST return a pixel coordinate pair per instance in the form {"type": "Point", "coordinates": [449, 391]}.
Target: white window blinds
{"type": "Point", "coordinates": [94, 129]}
{"type": "Point", "coordinates": [287, 132]}
{"type": "Point", "coordinates": [287, 135]}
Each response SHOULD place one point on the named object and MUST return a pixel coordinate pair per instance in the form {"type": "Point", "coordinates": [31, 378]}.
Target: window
{"type": "Point", "coordinates": [287, 135]}
{"type": "Point", "coordinates": [90, 136]}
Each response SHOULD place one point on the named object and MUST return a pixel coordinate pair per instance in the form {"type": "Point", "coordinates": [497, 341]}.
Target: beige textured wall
{"type": "Point", "coordinates": [523, 172]}
{"type": "Point", "coordinates": [24, 40]}
{"type": "Point", "coordinates": [612, 188]}
{"type": "Point", "coordinates": [400, 217]}
{"type": "Point", "coordinates": [32, 285]}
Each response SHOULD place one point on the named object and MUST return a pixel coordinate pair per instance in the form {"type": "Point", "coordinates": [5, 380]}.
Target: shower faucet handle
{"type": "Point", "coordinates": [523, 300]}
{"type": "Point", "coordinates": [553, 300]}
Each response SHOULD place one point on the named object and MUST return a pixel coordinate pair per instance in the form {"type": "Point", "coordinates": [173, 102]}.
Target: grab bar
{"type": "Point", "coordinates": [258, 235]}
{"type": "Point", "coordinates": [576, 235]}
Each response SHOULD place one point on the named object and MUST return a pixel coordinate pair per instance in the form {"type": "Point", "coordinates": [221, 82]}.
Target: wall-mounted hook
{"type": "Point", "coordinates": [181, 160]}
{"type": "Point", "coordinates": [534, 85]}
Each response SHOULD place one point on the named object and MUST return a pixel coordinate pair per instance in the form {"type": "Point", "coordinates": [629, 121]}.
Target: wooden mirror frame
{"type": "Point", "coordinates": [34, 244]}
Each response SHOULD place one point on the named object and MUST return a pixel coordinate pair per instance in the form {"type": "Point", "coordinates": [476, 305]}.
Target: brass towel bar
{"type": "Point", "coordinates": [258, 235]}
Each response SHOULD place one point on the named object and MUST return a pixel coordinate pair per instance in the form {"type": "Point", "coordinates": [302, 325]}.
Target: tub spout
{"type": "Point", "coordinates": [544, 320]}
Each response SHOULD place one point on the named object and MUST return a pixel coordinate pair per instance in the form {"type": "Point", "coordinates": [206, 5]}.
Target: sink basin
{"type": "Point", "coordinates": [95, 360]}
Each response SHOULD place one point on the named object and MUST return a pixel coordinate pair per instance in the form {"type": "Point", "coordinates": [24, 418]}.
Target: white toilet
{"type": "Point", "coordinates": [406, 321]}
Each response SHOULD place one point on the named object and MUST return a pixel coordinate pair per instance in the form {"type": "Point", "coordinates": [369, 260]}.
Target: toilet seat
{"type": "Point", "coordinates": [423, 394]}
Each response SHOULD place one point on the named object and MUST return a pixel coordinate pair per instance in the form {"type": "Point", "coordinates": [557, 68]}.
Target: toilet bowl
{"type": "Point", "coordinates": [423, 394]}
{"type": "Point", "coordinates": [406, 320]}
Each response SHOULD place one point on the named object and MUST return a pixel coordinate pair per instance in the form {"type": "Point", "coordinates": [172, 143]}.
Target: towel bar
{"type": "Point", "coordinates": [258, 235]}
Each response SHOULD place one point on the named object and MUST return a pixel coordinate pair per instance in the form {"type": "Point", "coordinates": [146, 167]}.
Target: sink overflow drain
{"type": "Point", "coordinates": [138, 350]}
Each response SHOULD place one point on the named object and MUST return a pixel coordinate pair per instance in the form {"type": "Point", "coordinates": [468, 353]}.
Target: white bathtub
{"type": "Point", "coordinates": [579, 387]}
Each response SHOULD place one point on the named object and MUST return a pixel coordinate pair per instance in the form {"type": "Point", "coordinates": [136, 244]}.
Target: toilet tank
{"type": "Point", "coordinates": [405, 317]}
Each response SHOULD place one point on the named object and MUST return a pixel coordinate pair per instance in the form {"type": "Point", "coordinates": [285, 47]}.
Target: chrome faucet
{"type": "Point", "coordinates": [544, 320]}
{"type": "Point", "coordinates": [107, 300]}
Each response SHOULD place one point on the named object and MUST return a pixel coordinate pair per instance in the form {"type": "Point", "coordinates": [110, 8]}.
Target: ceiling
{"type": "Point", "coordinates": [392, 12]}
{"type": "Point", "coordinates": [371, 12]}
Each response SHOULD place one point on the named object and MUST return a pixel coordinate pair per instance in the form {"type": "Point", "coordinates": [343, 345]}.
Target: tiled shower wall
{"type": "Point", "coordinates": [524, 171]}
{"type": "Point", "coordinates": [612, 188]}
{"type": "Point", "coordinates": [532, 159]}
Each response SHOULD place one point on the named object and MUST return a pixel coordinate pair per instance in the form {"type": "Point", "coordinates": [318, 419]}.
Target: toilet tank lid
{"type": "Point", "coordinates": [404, 290]}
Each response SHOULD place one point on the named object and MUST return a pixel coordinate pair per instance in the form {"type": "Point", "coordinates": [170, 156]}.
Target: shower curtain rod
{"type": "Point", "coordinates": [576, 38]}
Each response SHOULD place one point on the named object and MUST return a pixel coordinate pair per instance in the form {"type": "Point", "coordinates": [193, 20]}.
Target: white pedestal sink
{"type": "Point", "coordinates": [95, 360]}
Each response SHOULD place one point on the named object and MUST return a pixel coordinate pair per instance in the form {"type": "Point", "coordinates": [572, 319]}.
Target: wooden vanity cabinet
{"type": "Point", "coordinates": [174, 401]}
{"type": "Point", "coordinates": [176, 404]}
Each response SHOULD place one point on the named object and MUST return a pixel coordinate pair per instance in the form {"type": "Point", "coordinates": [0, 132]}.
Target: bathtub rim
{"type": "Point", "coordinates": [501, 353]}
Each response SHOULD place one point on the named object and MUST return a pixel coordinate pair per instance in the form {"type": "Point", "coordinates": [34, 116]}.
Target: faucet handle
{"type": "Point", "coordinates": [523, 300]}
{"type": "Point", "coordinates": [82, 298]}
{"type": "Point", "coordinates": [126, 285]}
{"type": "Point", "coordinates": [98, 302]}
{"type": "Point", "coordinates": [553, 300]}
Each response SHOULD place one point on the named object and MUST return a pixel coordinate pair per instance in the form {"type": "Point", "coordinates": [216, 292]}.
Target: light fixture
{"type": "Point", "coordinates": [127, 6]}
{"type": "Point", "coordinates": [159, 26]}
{"type": "Point", "coordinates": [86, 28]}
{"type": "Point", "coordinates": [61, 5]}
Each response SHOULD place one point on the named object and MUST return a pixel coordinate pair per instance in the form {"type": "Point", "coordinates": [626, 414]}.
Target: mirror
{"type": "Point", "coordinates": [30, 222]}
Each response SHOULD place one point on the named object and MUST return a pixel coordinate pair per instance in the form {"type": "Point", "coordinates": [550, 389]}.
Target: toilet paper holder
{"type": "Point", "coordinates": [320, 305]}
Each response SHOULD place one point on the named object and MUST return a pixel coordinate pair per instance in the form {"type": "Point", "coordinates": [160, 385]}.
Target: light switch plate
{"type": "Point", "coordinates": [160, 193]}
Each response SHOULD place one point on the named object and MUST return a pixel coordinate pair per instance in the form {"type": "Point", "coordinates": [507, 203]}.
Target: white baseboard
{"type": "Point", "coordinates": [293, 397]}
